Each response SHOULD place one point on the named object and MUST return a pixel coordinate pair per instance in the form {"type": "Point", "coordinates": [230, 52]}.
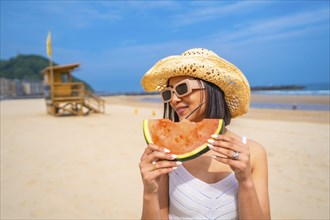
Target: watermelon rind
{"type": "Point", "coordinates": [146, 132]}
{"type": "Point", "coordinates": [193, 154]}
{"type": "Point", "coordinates": [187, 156]}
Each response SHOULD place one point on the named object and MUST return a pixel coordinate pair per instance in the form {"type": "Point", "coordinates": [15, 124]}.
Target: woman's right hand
{"type": "Point", "coordinates": [155, 161]}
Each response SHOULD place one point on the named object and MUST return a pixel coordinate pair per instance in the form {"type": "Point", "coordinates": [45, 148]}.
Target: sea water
{"type": "Point", "coordinates": [320, 89]}
{"type": "Point", "coordinates": [309, 90]}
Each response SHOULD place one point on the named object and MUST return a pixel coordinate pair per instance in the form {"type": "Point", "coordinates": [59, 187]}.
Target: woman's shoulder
{"type": "Point", "coordinates": [255, 146]}
{"type": "Point", "coordinates": [257, 152]}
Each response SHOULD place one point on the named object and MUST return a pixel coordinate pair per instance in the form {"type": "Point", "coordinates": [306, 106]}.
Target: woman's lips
{"type": "Point", "coordinates": [180, 110]}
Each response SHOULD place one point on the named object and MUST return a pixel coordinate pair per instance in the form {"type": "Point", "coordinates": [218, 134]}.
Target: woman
{"type": "Point", "coordinates": [228, 182]}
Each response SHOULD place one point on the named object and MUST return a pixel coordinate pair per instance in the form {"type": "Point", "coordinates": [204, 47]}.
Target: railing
{"type": "Point", "coordinates": [73, 98]}
{"type": "Point", "coordinates": [63, 91]}
{"type": "Point", "coordinates": [94, 102]}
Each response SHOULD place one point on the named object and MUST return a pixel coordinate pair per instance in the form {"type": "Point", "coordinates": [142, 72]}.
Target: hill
{"type": "Point", "coordinates": [28, 67]}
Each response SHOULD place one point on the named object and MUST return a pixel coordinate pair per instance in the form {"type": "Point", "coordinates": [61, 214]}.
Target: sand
{"type": "Point", "coordinates": [87, 167]}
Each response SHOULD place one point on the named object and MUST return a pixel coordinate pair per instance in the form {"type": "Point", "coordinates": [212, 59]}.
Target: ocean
{"type": "Point", "coordinates": [309, 90]}
{"type": "Point", "coordinates": [316, 89]}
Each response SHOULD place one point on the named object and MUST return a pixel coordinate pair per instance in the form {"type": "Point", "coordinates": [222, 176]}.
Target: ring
{"type": "Point", "coordinates": [235, 155]}
{"type": "Point", "coordinates": [154, 165]}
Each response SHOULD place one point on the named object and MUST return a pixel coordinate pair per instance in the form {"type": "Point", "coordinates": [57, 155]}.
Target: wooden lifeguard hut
{"type": "Point", "coordinates": [65, 97]}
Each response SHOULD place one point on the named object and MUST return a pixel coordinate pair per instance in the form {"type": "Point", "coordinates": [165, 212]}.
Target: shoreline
{"type": "Point", "coordinates": [255, 98]}
{"type": "Point", "coordinates": [259, 101]}
{"type": "Point", "coordinates": [277, 114]}
{"type": "Point", "coordinates": [253, 113]}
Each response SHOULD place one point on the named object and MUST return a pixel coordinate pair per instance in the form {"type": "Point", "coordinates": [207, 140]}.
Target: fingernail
{"type": "Point", "coordinates": [211, 141]}
{"type": "Point", "coordinates": [173, 168]}
{"type": "Point", "coordinates": [173, 156]}
{"type": "Point", "coordinates": [215, 135]}
{"type": "Point", "coordinates": [210, 146]}
{"type": "Point", "coordinates": [166, 150]}
{"type": "Point", "coordinates": [214, 156]}
{"type": "Point", "coordinates": [178, 163]}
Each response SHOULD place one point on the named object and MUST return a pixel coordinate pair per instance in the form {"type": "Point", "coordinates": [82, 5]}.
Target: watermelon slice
{"type": "Point", "coordinates": [186, 139]}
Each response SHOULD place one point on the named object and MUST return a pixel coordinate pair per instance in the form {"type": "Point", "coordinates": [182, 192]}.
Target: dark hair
{"type": "Point", "coordinates": [216, 106]}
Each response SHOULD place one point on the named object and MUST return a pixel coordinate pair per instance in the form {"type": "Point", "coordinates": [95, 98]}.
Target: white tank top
{"type": "Point", "coordinates": [191, 198]}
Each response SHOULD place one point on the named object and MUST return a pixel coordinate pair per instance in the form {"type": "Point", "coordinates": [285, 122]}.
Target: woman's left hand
{"type": "Point", "coordinates": [234, 153]}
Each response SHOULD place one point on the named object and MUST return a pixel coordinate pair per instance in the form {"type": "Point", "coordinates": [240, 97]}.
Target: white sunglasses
{"type": "Point", "coordinates": [181, 89]}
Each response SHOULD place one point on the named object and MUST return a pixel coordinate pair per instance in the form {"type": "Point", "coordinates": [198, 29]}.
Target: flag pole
{"type": "Point", "coordinates": [49, 53]}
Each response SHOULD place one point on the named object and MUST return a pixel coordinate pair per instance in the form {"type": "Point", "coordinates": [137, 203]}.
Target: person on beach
{"type": "Point", "coordinates": [228, 182]}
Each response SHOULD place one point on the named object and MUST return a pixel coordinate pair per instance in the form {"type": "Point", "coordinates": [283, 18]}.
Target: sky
{"type": "Point", "coordinates": [116, 42]}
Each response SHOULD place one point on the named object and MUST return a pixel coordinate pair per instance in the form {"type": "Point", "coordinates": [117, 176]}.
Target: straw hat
{"type": "Point", "coordinates": [206, 65]}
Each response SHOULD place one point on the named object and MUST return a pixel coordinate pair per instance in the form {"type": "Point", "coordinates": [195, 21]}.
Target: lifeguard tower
{"type": "Point", "coordinates": [65, 97]}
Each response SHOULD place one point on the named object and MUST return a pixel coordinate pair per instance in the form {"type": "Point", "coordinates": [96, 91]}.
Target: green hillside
{"type": "Point", "coordinates": [28, 67]}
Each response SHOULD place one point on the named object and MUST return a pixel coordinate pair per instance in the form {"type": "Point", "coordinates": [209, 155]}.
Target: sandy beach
{"type": "Point", "coordinates": [86, 167]}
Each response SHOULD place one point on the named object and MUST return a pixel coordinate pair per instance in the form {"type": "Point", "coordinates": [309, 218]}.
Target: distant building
{"type": "Point", "coordinates": [33, 87]}
{"type": "Point", "coordinates": [7, 87]}
{"type": "Point", "coordinates": [18, 88]}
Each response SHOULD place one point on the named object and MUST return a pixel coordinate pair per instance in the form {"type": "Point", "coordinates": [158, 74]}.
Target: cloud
{"type": "Point", "coordinates": [86, 15]}
{"type": "Point", "coordinates": [147, 5]}
{"type": "Point", "coordinates": [79, 14]}
{"type": "Point", "coordinates": [206, 12]}
{"type": "Point", "coordinates": [288, 26]}
{"type": "Point", "coordinates": [290, 21]}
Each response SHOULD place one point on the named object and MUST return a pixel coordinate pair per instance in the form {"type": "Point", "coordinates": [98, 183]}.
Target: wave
{"type": "Point", "coordinates": [294, 92]}
{"type": "Point", "coordinates": [316, 107]}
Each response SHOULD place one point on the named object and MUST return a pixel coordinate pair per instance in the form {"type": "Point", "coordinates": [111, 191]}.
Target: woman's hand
{"type": "Point", "coordinates": [155, 161]}
{"type": "Point", "coordinates": [234, 153]}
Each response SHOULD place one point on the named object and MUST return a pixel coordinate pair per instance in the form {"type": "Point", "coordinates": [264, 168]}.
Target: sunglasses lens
{"type": "Point", "coordinates": [182, 89]}
{"type": "Point", "coordinates": [167, 95]}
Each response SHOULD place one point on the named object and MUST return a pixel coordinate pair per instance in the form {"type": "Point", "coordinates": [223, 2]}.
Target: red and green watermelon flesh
{"type": "Point", "coordinates": [185, 139]}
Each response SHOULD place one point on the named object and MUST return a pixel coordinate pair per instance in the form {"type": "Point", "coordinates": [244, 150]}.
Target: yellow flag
{"type": "Point", "coordinates": [49, 44]}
